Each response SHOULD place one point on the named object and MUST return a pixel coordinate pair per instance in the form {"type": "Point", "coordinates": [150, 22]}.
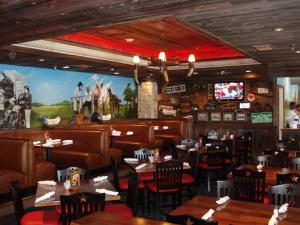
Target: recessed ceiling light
{"type": "Point", "coordinates": [116, 73]}
{"type": "Point", "coordinates": [112, 69]}
{"type": "Point", "coordinates": [248, 71]}
{"type": "Point", "coordinates": [41, 60]}
{"type": "Point", "coordinates": [66, 67]}
{"type": "Point", "coordinates": [129, 40]}
{"type": "Point", "coordinates": [195, 73]}
{"type": "Point", "coordinates": [298, 51]}
{"type": "Point", "coordinates": [278, 29]}
{"type": "Point", "coordinates": [150, 74]}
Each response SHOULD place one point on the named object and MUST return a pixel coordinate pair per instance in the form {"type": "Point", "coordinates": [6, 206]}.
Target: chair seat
{"type": "Point", "coordinates": [187, 179]}
{"type": "Point", "coordinates": [147, 176]}
{"type": "Point", "coordinates": [228, 161]}
{"type": "Point", "coordinates": [124, 184]}
{"type": "Point", "coordinates": [204, 165]}
{"type": "Point", "coordinates": [41, 217]}
{"type": "Point", "coordinates": [121, 209]}
{"type": "Point", "coordinates": [152, 187]}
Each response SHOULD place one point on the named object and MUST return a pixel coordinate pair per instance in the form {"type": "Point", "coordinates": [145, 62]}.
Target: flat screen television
{"type": "Point", "coordinates": [229, 90]}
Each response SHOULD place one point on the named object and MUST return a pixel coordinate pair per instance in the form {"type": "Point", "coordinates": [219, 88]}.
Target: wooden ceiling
{"type": "Point", "coordinates": [242, 24]}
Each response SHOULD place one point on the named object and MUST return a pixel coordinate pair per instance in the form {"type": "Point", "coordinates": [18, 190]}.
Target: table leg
{"type": "Point", "coordinates": [48, 154]}
{"type": "Point", "coordinates": [112, 142]}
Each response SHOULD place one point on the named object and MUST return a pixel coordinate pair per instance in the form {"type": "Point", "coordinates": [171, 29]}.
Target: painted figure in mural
{"type": "Point", "coordinates": [96, 95]}
{"type": "Point", "coordinates": [87, 100]}
{"type": "Point", "coordinates": [1, 105]}
{"type": "Point", "coordinates": [104, 97]}
{"type": "Point", "coordinates": [25, 102]}
{"type": "Point", "coordinates": [77, 98]}
{"type": "Point", "coordinates": [114, 103]}
{"type": "Point", "coordinates": [292, 118]}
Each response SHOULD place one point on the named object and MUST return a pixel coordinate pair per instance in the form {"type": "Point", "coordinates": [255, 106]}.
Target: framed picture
{"type": "Point", "coordinates": [228, 116]}
{"type": "Point", "coordinates": [185, 107]}
{"type": "Point", "coordinates": [215, 116]}
{"type": "Point", "coordinates": [203, 116]}
{"type": "Point", "coordinates": [241, 116]}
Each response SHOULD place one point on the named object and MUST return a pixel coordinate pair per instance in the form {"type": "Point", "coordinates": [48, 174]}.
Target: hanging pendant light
{"type": "Point", "coordinates": [162, 56]}
{"type": "Point", "coordinates": [191, 61]}
{"type": "Point", "coordinates": [136, 60]}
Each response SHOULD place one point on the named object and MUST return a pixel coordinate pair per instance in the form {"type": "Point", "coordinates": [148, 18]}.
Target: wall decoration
{"type": "Point", "coordinates": [185, 107]}
{"type": "Point", "coordinates": [228, 116]}
{"type": "Point", "coordinates": [241, 116]}
{"type": "Point", "coordinates": [29, 94]}
{"type": "Point", "coordinates": [174, 89]}
{"type": "Point", "coordinates": [262, 90]}
{"type": "Point", "coordinates": [250, 97]}
{"type": "Point", "coordinates": [210, 91]}
{"type": "Point", "coordinates": [203, 116]}
{"type": "Point", "coordinates": [262, 117]}
{"type": "Point", "coordinates": [215, 116]}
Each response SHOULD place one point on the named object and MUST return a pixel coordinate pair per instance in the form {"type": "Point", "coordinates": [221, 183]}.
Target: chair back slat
{"type": "Point", "coordinates": [225, 188]}
{"type": "Point", "coordinates": [265, 160]}
{"type": "Point", "coordinates": [216, 156]}
{"type": "Point", "coordinates": [168, 174]}
{"type": "Point", "coordinates": [284, 193]}
{"type": "Point", "coordinates": [143, 153]}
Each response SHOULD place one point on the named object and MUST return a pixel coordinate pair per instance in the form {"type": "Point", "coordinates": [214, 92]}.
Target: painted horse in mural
{"type": "Point", "coordinates": [114, 103]}
{"type": "Point", "coordinates": [101, 97]}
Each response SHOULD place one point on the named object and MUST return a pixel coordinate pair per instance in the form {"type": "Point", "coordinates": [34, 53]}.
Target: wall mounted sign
{"type": "Point", "coordinates": [262, 117]}
{"type": "Point", "coordinates": [262, 90]}
{"type": "Point", "coordinates": [174, 89]}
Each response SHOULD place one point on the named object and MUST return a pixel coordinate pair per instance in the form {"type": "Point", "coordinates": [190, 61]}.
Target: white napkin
{"type": "Point", "coordinates": [276, 153]}
{"type": "Point", "coordinates": [186, 164]}
{"type": "Point", "coordinates": [116, 133]}
{"type": "Point", "coordinates": [259, 166]}
{"type": "Point", "coordinates": [48, 145]}
{"type": "Point", "coordinates": [55, 140]}
{"type": "Point", "coordinates": [167, 157]}
{"type": "Point", "coordinates": [192, 149]}
{"type": "Point", "coordinates": [156, 127]}
{"type": "Point", "coordinates": [36, 142]}
{"type": "Point", "coordinates": [47, 182]}
{"type": "Point", "coordinates": [141, 166]}
{"type": "Point", "coordinates": [131, 160]}
{"type": "Point", "coordinates": [207, 215]}
{"type": "Point", "coordinates": [67, 142]}
{"type": "Point", "coordinates": [100, 178]}
{"type": "Point", "coordinates": [107, 192]}
{"type": "Point", "coordinates": [273, 220]}
{"type": "Point", "coordinates": [208, 145]}
{"type": "Point", "coordinates": [129, 133]}
{"type": "Point", "coordinates": [181, 146]}
{"type": "Point", "coordinates": [283, 208]}
{"type": "Point", "coordinates": [165, 127]}
{"type": "Point", "coordinates": [45, 196]}
{"type": "Point", "coordinates": [223, 200]}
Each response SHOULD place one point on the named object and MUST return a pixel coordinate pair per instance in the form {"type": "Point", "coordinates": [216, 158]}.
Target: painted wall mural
{"type": "Point", "coordinates": [28, 95]}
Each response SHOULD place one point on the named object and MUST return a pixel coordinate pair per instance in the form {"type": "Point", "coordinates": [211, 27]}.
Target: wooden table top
{"type": "Point", "coordinates": [236, 212]}
{"type": "Point", "coordinates": [150, 167]}
{"type": "Point", "coordinates": [270, 172]}
{"type": "Point", "coordinates": [105, 218]}
{"type": "Point", "coordinates": [85, 186]}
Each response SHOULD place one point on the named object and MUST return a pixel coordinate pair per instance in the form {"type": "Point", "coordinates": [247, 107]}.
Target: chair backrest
{"type": "Point", "coordinates": [143, 153]}
{"type": "Point", "coordinates": [284, 193]}
{"type": "Point", "coordinates": [216, 156]}
{"type": "Point", "coordinates": [188, 142]}
{"type": "Point", "coordinates": [296, 163]}
{"type": "Point", "coordinates": [242, 145]}
{"type": "Point", "coordinates": [80, 204]}
{"type": "Point", "coordinates": [169, 174]}
{"type": "Point", "coordinates": [133, 191]}
{"type": "Point", "coordinates": [178, 219]}
{"type": "Point", "coordinates": [17, 201]}
{"type": "Point", "coordinates": [289, 178]}
{"type": "Point", "coordinates": [281, 159]}
{"type": "Point", "coordinates": [64, 174]}
{"type": "Point", "coordinates": [193, 157]}
{"type": "Point", "coordinates": [115, 170]}
{"type": "Point", "coordinates": [249, 184]}
{"type": "Point", "coordinates": [197, 221]}
{"type": "Point", "coordinates": [265, 160]}
{"type": "Point", "coordinates": [225, 188]}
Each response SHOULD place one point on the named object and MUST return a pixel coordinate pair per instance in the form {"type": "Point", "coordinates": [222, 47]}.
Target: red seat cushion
{"type": "Point", "coordinates": [228, 161]}
{"type": "Point", "coordinates": [187, 179]}
{"type": "Point", "coordinates": [204, 165]}
{"type": "Point", "coordinates": [41, 217]}
{"type": "Point", "coordinates": [124, 184]}
{"type": "Point", "coordinates": [266, 199]}
{"type": "Point", "coordinates": [152, 187]}
{"type": "Point", "coordinates": [121, 209]}
{"type": "Point", "coordinates": [147, 176]}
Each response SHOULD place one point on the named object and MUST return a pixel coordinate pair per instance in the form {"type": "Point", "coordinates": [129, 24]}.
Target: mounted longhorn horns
{"type": "Point", "coordinates": [191, 61]}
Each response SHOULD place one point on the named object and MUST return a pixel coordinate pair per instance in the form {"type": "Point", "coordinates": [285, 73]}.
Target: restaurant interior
{"type": "Point", "coordinates": [149, 112]}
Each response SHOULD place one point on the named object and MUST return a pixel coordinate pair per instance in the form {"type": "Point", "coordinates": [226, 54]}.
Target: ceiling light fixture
{"type": "Point", "coordinates": [248, 71]}
{"type": "Point", "coordinates": [298, 51]}
{"type": "Point", "coordinates": [136, 60]}
{"type": "Point", "coordinates": [278, 29]}
{"type": "Point", "coordinates": [116, 73]}
{"type": "Point", "coordinates": [191, 61]}
{"type": "Point", "coordinates": [162, 56]}
{"type": "Point", "coordinates": [66, 67]}
{"type": "Point", "coordinates": [163, 67]}
{"type": "Point", "coordinates": [41, 60]}
{"type": "Point", "coordinates": [129, 40]}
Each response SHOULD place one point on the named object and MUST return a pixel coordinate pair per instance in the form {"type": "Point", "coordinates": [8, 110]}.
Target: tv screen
{"type": "Point", "coordinates": [229, 91]}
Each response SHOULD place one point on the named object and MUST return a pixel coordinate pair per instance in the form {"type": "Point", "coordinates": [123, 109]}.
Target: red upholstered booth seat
{"type": "Point", "coordinates": [42, 217]}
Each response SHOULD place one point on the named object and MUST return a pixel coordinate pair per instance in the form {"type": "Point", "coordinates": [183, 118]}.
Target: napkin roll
{"type": "Point", "coordinates": [140, 166]}
{"type": "Point", "coordinates": [45, 196]}
{"type": "Point", "coordinates": [107, 192]}
{"type": "Point", "coordinates": [100, 178]}
{"type": "Point", "coordinates": [207, 215]}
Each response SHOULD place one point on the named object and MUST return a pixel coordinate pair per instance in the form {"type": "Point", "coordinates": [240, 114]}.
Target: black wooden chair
{"type": "Point", "coordinates": [130, 208]}
{"type": "Point", "coordinates": [143, 154]}
{"type": "Point", "coordinates": [281, 159]}
{"type": "Point", "coordinates": [78, 205]}
{"type": "Point", "coordinates": [242, 149]}
{"type": "Point", "coordinates": [178, 219]}
{"type": "Point", "coordinates": [225, 188]}
{"type": "Point", "coordinates": [189, 179]}
{"type": "Point", "coordinates": [168, 181]}
{"type": "Point", "coordinates": [289, 178]}
{"type": "Point", "coordinates": [265, 160]}
{"type": "Point", "coordinates": [249, 184]}
{"type": "Point", "coordinates": [284, 193]}
{"type": "Point", "coordinates": [64, 174]}
{"type": "Point", "coordinates": [215, 161]}
{"type": "Point", "coordinates": [296, 163]}
{"type": "Point", "coordinates": [32, 217]}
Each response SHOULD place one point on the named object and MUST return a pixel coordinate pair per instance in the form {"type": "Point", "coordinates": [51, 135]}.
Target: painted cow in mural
{"type": "Point", "coordinates": [114, 103]}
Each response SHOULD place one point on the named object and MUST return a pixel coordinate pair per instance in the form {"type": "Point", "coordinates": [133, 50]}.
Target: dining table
{"type": "Point", "coordinates": [270, 172]}
{"type": "Point", "coordinates": [235, 212]}
{"type": "Point", "coordinates": [85, 186]}
{"type": "Point", "coordinates": [105, 218]}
